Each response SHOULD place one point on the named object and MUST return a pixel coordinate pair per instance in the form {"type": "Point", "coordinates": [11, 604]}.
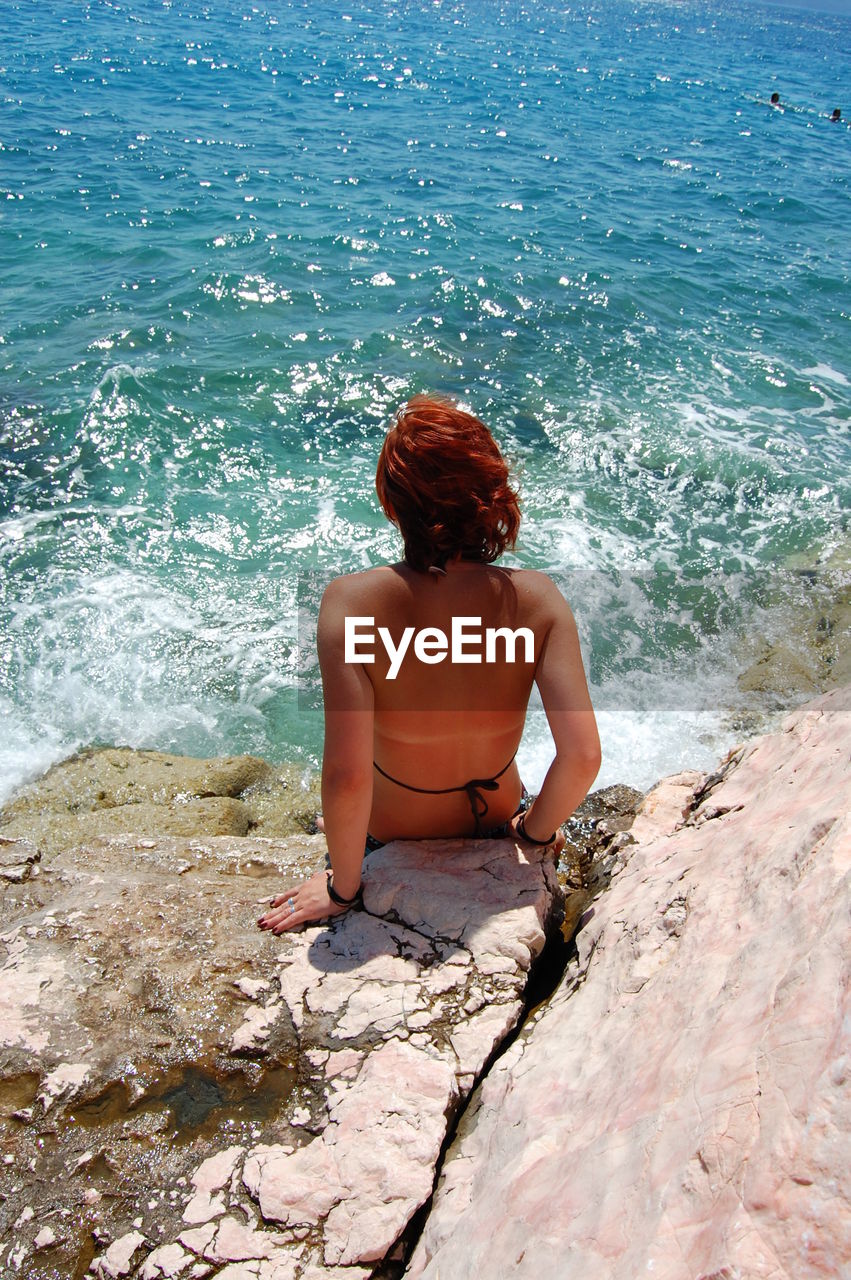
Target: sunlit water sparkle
{"type": "Point", "coordinates": [234, 238]}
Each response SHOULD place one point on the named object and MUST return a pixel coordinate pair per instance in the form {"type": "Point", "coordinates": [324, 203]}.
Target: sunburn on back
{"type": "Point", "coordinates": [431, 645]}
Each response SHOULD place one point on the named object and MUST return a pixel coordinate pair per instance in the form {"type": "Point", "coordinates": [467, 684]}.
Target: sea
{"type": "Point", "coordinates": [234, 237]}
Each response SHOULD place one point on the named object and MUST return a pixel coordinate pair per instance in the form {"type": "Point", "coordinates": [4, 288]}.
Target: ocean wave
{"type": "Point", "coordinates": [222, 273]}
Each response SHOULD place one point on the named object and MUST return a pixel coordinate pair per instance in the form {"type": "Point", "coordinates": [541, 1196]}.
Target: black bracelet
{"type": "Point", "coordinates": [521, 831]}
{"type": "Point", "coordinates": [337, 897]}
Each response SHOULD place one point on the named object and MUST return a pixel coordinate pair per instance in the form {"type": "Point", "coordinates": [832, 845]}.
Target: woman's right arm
{"type": "Point", "coordinates": [560, 677]}
{"type": "Point", "coordinates": [347, 775]}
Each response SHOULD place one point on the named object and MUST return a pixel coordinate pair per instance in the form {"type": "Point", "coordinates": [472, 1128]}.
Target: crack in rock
{"type": "Point", "coordinates": [153, 1024]}
{"type": "Point", "coordinates": [680, 1106]}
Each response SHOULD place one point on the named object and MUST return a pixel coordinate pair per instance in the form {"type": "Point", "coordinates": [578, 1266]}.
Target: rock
{"type": "Point", "coordinates": [117, 790]}
{"type": "Point", "coordinates": [216, 1172]}
{"type": "Point", "coordinates": [215, 816]}
{"type": "Point", "coordinates": [778, 669]}
{"type": "Point", "coordinates": [119, 1257]}
{"type": "Point", "coordinates": [65, 1079]}
{"type": "Point", "coordinates": [680, 1108]}
{"type": "Point", "coordinates": [210, 1099]}
{"type": "Point", "coordinates": [165, 1262]}
{"type": "Point", "coordinates": [594, 834]}
{"type": "Point", "coordinates": [18, 859]}
{"type": "Point", "coordinates": [115, 776]}
{"type": "Point", "coordinates": [809, 649]}
{"type": "Point", "coordinates": [666, 805]}
{"type": "Point", "coordinates": [212, 1176]}
{"type": "Point", "coordinates": [373, 1165]}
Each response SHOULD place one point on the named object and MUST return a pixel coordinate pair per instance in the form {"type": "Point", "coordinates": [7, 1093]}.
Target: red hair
{"type": "Point", "coordinates": [442, 479]}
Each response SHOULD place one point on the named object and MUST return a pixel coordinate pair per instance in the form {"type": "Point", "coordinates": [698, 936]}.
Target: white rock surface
{"type": "Point", "coordinates": [138, 997]}
{"type": "Point", "coordinates": [118, 1259]}
{"type": "Point", "coordinates": [166, 1262]}
{"type": "Point", "coordinates": [682, 1108]}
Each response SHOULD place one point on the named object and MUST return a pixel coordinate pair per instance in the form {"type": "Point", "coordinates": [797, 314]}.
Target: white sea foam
{"type": "Point", "coordinates": [27, 527]}
{"type": "Point", "coordinates": [121, 658]}
{"type": "Point", "coordinates": [651, 725]}
{"type": "Point", "coordinates": [826, 371]}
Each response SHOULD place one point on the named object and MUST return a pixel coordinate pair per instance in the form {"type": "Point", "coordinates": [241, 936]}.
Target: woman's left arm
{"type": "Point", "coordinates": [347, 775]}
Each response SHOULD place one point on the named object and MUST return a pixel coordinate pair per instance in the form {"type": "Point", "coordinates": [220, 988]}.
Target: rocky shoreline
{"type": "Point", "coordinates": [115, 790]}
{"type": "Point", "coordinates": [183, 1096]}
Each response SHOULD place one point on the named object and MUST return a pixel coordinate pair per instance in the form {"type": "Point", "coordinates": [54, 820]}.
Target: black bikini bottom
{"type": "Point", "coordinates": [494, 833]}
{"type": "Point", "coordinates": [474, 789]}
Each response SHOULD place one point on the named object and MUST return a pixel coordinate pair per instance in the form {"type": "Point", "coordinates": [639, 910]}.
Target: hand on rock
{"type": "Point", "coordinates": [300, 905]}
{"type": "Point", "coordinates": [556, 844]}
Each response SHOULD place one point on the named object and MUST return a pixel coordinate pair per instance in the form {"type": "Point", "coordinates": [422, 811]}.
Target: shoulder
{"type": "Point", "coordinates": [371, 581]}
{"type": "Point", "coordinates": [360, 594]}
{"type": "Point", "coordinates": [537, 590]}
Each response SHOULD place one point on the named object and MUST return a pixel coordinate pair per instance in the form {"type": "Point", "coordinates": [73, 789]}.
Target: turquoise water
{"type": "Point", "coordinates": [233, 238]}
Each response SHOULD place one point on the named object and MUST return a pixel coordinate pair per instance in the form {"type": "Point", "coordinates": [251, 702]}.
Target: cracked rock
{"type": "Point", "coordinates": [205, 1098]}
{"type": "Point", "coordinates": [680, 1107]}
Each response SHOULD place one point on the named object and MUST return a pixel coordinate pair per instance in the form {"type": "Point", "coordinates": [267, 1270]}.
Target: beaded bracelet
{"type": "Point", "coordinates": [338, 897]}
{"type": "Point", "coordinates": [521, 831]}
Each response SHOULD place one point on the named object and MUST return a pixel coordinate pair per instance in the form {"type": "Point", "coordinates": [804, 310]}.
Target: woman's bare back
{"type": "Point", "coordinates": [444, 719]}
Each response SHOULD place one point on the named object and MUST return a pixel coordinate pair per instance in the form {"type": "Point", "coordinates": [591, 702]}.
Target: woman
{"type": "Point", "coordinates": [427, 667]}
